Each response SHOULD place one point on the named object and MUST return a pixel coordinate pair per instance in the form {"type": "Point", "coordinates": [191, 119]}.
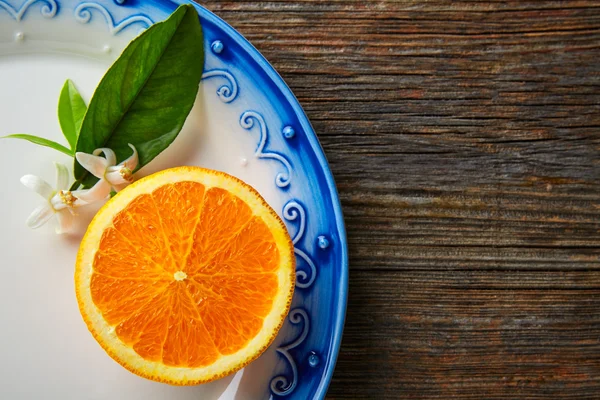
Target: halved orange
{"type": "Point", "coordinates": [185, 276]}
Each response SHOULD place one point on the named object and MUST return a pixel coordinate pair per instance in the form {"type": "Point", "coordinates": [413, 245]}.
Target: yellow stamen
{"type": "Point", "coordinates": [67, 198]}
{"type": "Point", "coordinates": [126, 174]}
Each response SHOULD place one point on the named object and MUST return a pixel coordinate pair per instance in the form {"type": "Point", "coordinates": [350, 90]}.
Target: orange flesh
{"type": "Point", "coordinates": [228, 259]}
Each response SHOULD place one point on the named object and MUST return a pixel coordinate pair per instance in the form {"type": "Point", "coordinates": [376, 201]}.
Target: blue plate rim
{"type": "Point", "coordinates": [320, 154]}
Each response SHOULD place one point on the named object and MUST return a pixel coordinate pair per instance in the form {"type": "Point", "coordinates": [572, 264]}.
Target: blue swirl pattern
{"type": "Point", "coordinates": [281, 385]}
{"type": "Point", "coordinates": [247, 122]}
{"type": "Point", "coordinates": [292, 211]}
{"type": "Point", "coordinates": [83, 14]}
{"type": "Point", "coordinates": [48, 10]}
{"type": "Point", "coordinates": [227, 92]}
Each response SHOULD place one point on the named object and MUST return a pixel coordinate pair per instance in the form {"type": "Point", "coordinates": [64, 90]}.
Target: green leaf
{"type": "Point", "coordinates": [41, 142]}
{"type": "Point", "coordinates": [71, 109]}
{"type": "Point", "coordinates": [147, 94]}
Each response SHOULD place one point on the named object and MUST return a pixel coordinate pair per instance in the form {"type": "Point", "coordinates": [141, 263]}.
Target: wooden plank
{"type": "Point", "coordinates": [464, 137]}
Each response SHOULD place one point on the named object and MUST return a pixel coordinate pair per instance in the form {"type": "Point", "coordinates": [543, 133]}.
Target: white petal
{"type": "Point", "coordinates": [114, 177]}
{"type": "Point", "coordinates": [111, 158]}
{"type": "Point", "coordinates": [95, 164]}
{"type": "Point", "coordinates": [133, 160]}
{"type": "Point", "coordinates": [57, 203]}
{"type": "Point", "coordinates": [40, 216]}
{"type": "Point", "coordinates": [62, 177]}
{"type": "Point", "coordinates": [38, 185]}
{"type": "Point", "coordinates": [98, 192]}
{"type": "Point", "coordinates": [65, 221]}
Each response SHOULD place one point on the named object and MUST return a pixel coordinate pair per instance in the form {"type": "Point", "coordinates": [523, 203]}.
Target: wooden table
{"type": "Point", "coordinates": [464, 137]}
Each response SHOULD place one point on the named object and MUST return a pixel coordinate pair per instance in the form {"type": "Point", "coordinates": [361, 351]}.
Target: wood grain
{"type": "Point", "coordinates": [464, 137]}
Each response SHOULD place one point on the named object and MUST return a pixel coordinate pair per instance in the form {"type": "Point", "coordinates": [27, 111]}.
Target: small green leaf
{"type": "Point", "coordinates": [71, 110]}
{"type": "Point", "coordinates": [147, 94]}
{"type": "Point", "coordinates": [41, 142]}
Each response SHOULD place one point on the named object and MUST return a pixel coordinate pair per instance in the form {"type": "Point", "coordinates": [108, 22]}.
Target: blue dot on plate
{"type": "Point", "coordinates": [323, 242]}
{"type": "Point", "coordinates": [289, 132]}
{"type": "Point", "coordinates": [217, 46]}
{"type": "Point", "coordinates": [313, 359]}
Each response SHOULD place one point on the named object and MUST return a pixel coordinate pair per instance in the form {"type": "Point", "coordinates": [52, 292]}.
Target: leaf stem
{"type": "Point", "coordinates": [41, 141]}
{"type": "Point", "coordinates": [75, 185]}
